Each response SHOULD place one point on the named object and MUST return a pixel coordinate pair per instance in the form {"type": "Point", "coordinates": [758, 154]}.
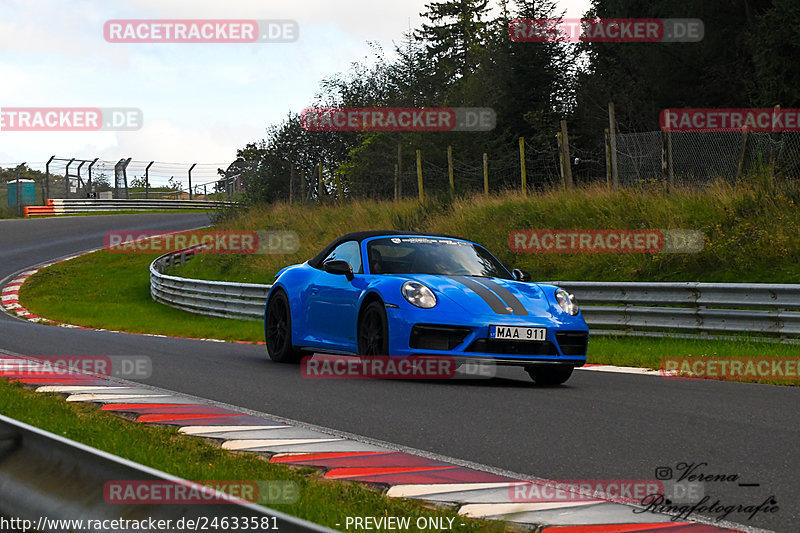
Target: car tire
{"type": "Point", "coordinates": [373, 330]}
{"type": "Point", "coordinates": [278, 330]}
{"type": "Point", "coordinates": [550, 376]}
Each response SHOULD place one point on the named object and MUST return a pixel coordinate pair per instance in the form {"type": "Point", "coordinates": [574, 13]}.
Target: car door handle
{"type": "Point", "coordinates": [315, 291]}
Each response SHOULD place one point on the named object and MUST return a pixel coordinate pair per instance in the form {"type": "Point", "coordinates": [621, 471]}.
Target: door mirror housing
{"type": "Point", "coordinates": [521, 275]}
{"type": "Point", "coordinates": [337, 266]}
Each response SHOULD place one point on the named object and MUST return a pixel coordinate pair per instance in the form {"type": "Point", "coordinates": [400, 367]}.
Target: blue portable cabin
{"type": "Point", "coordinates": [27, 190]}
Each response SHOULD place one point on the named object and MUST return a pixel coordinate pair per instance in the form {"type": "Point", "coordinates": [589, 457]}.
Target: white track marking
{"type": "Point", "coordinates": [248, 444]}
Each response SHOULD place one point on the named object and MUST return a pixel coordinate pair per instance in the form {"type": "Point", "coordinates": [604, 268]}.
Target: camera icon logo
{"type": "Point", "coordinates": [663, 473]}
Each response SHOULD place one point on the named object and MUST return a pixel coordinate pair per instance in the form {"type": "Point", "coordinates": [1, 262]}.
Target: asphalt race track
{"type": "Point", "coordinates": [598, 426]}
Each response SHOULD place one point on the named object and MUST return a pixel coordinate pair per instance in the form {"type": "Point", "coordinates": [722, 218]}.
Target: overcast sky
{"type": "Point", "coordinates": [200, 101]}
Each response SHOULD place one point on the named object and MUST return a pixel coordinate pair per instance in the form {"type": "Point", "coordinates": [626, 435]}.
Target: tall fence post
{"type": "Point", "coordinates": [319, 182]}
{"type": "Point", "coordinates": [419, 175]}
{"type": "Point", "coordinates": [667, 170]}
{"type": "Point", "coordinates": [450, 172]}
{"type": "Point", "coordinates": [608, 159]}
{"type": "Point", "coordinates": [66, 178]}
{"type": "Point", "coordinates": [772, 150]}
{"type": "Point", "coordinates": [89, 183]}
{"type": "Point", "coordinates": [303, 186]}
{"type": "Point", "coordinates": [47, 178]}
{"type": "Point", "coordinates": [78, 184]}
{"type": "Point", "coordinates": [742, 153]}
{"type": "Point", "coordinates": [396, 181]}
{"type": "Point", "coordinates": [561, 163]}
{"type": "Point", "coordinates": [117, 173]}
{"type": "Point", "coordinates": [523, 171]}
{"type": "Point", "coordinates": [147, 179]}
{"type": "Point", "coordinates": [190, 179]}
{"type": "Point", "coordinates": [125, 164]}
{"type": "Point", "coordinates": [485, 174]}
{"type": "Point", "coordinates": [399, 188]}
{"type": "Point", "coordinates": [291, 181]}
{"type": "Point", "coordinates": [19, 189]}
{"type": "Point", "coordinates": [567, 161]}
{"type": "Point", "coordinates": [612, 128]}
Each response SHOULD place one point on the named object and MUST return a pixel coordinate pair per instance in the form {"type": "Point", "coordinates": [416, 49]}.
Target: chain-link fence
{"type": "Point", "coordinates": [682, 158]}
{"type": "Point", "coordinates": [696, 158]}
{"type": "Point", "coordinates": [70, 178]}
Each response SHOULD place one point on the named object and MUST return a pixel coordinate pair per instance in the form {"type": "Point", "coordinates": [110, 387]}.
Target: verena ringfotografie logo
{"type": "Point", "coordinates": [120, 366]}
{"type": "Point", "coordinates": [201, 31]}
{"type": "Point", "coordinates": [200, 492]}
{"type": "Point", "coordinates": [387, 367]}
{"type": "Point", "coordinates": [608, 30]}
{"type": "Point", "coordinates": [595, 241]}
{"type": "Point", "coordinates": [760, 120]}
{"type": "Point", "coordinates": [70, 119]}
{"type": "Point", "coordinates": [731, 368]}
{"type": "Point", "coordinates": [398, 119]}
{"type": "Point", "coordinates": [211, 242]}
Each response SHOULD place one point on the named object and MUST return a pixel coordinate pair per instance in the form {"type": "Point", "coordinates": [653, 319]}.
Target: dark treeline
{"type": "Point", "coordinates": [462, 56]}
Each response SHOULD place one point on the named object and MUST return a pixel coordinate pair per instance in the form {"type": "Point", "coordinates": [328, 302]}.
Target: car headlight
{"type": "Point", "coordinates": [418, 294]}
{"type": "Point", "coordinates": [567, 302]}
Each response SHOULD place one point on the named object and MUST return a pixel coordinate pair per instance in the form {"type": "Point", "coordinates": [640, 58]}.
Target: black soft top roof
{"type": "Point", "coordinates": [359, 236]}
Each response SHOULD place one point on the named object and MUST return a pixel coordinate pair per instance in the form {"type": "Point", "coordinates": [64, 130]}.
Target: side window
{"type": "Point", "coordinates": [349, 251]}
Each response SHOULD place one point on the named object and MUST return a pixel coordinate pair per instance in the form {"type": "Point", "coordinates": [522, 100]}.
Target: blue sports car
{"type": "Point", "coordinates": [404, 293]}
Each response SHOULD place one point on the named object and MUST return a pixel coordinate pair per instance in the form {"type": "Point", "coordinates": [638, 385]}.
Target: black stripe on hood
{"type": "Point", "coordinates": [510, 300]}
{"type": "Point", "coordinates": [488, 296]}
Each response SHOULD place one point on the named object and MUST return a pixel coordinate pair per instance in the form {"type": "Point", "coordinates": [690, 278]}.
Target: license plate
{"type": "Point", "coordinates": [517, 333]}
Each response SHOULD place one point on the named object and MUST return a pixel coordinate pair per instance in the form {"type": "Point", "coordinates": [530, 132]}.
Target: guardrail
{"type": "Point", "coordinates": [689, 309]}
{"type": "Point", "coordinates": [693, 308]}
{"type": "Point", "coordinates": [45, 475]}
{"type": "Point", "coordinates": [77, 206]}
{"type": "Point", "coordinates": [225, 299]}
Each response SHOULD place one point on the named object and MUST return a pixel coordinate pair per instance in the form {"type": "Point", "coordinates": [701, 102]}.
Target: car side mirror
{"type": "Point", "coordinates": [337, 266]}
{"type": "Point", "coordinates": [521, 275]}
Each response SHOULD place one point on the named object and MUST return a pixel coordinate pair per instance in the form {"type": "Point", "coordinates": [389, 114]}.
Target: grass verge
{"type": "Point", "coordinates": [112, 291]}
{"type": "Point", "coordinates": [321, 501]}
{"type": "Point", "coordinates": [750, 231]}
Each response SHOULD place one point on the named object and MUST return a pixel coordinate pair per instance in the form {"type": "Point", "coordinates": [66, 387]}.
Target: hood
{"type": "Point", "coordinates": [489, 296]}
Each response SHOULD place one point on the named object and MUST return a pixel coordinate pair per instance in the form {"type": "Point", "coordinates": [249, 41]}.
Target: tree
{"type": "Point", "coordinates": [642, 79]}
{"type": "Point", "coordinates": [774, 37]}
{"type": "Point", "coordinates": [454, 36]}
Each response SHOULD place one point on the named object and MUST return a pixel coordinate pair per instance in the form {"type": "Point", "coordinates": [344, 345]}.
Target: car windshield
{"type": "Point", "coordinates": [432, 255]}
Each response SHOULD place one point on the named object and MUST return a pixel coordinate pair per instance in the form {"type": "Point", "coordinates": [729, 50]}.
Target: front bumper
{"type": "Point", "coordinates": [418, 333]}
